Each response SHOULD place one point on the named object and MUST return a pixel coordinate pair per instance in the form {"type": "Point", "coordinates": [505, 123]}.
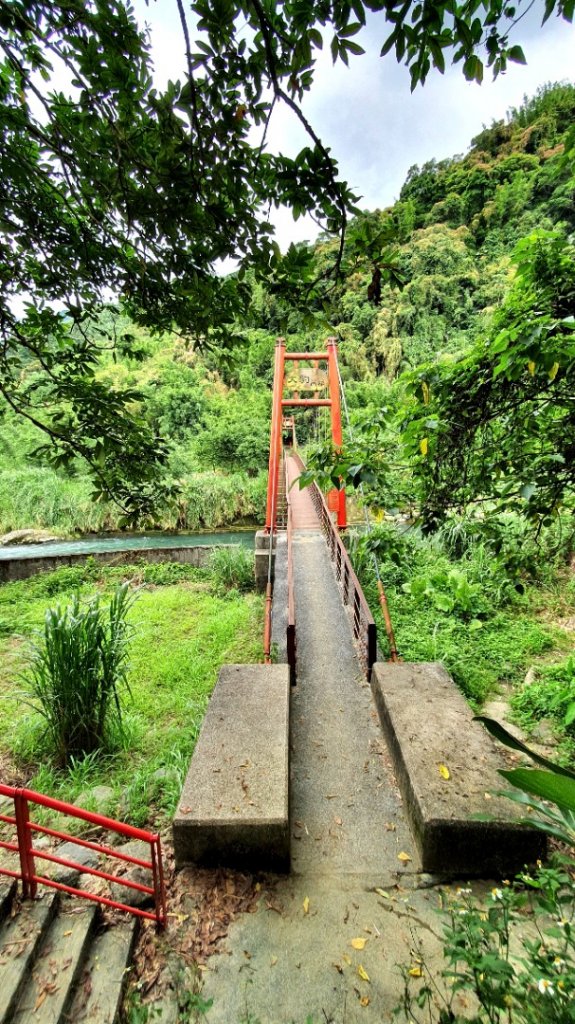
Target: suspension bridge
{"type": "Point", "coordinates": [321, 763]}
{"type": "Point", "coordinates": [322, 689]}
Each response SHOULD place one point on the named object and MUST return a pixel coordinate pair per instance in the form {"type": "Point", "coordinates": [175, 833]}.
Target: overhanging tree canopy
{"type": "Point", "coordinates": [110, 189]}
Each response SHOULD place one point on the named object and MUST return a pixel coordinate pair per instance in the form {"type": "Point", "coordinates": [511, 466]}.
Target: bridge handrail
{"type": "Point", "coordinates": [363, 622]}
{"type": "Point", "coordinates": [291, 630]}
{"type": "Point", "coordinates": [30, 878]}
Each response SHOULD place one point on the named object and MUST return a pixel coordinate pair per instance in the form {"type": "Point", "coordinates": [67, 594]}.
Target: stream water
{"type": "Point", "coordinates": [124, 542]}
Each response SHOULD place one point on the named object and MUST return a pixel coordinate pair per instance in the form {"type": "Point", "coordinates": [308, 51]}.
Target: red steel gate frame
{"type": "Point", "coordinates": [279, 403]}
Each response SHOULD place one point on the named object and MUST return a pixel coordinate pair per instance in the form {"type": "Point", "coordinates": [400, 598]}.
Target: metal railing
{"type": "Point", "coordinates": [363, 623]}
{"type": "Point", "coordinates": [23, 845]}
{"type": "Point", "coordinates": [291, 633]}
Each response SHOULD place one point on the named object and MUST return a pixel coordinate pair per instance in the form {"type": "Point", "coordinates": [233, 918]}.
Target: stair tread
{"type": "Point", "coordinates": [100, 987]}
{"type": "Point", "coordinates": [20, 939]}
{"type": "Point", "coordinates": [59, 963]}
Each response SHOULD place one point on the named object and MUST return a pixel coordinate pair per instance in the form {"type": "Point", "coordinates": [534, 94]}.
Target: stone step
{"type": "Point", "coordinates": [429, 727]}
{"type": "Point", "coordinates": [20, 940]}
{"type": "Point", "coordinates": [234, 804]}
{"type": "Point", "coordinates": [101, 985]}
{"type": "Point", "coordinates": [48, 991]}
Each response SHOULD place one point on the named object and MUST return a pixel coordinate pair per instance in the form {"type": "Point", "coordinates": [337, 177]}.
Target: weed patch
{"type": "Point", "coordinates": [182, 634]}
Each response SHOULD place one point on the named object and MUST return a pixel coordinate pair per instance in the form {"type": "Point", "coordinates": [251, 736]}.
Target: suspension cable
{"type": "Point", "coordinates": [393, 652]}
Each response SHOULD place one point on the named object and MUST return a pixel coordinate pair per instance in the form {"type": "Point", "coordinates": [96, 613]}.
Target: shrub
{"type": "Point", "coordinates": [551, 697]}
{"type": "Point", "coordinates": [514, 974]}
{"type": "Point", "coordinates": [233, 568]}
{"type": "Point", "coordinates": [76, 672]}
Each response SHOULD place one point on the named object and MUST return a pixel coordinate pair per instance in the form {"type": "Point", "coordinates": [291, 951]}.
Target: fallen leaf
{"type": "Point", "coordinates": [364, 1001]}
{"type": "Point", "coordinates": [415, 972]}
{"type": "Point", "coordinates": [358, 943]}
{"type": "Point", "coordinates": [444, 771]}
{"type": "Point", "coordinates": [363, 973]}
{"type": "Point", "coordinates": [382, 892]}
{"type": "Point", "coordinates": [306, 905]}
{"type": "Point", "coordinates": [273, 961]}
{"type": "Point", "coordinates": [338, 821]}
{"type": "Point", "coordinates": [66, 934]}
{"type": "Point", "coordinates": [338, 968]}
{"type": "Point", "coordinates": [404, 857]}
{"type": "Point", "coordinates": [347, 959]}
{"type": "Point", "coordinates": [40, 1000]}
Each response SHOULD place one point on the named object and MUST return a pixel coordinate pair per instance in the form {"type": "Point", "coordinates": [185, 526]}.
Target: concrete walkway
{"type": "Point", "coordinates": [304, 514]}
{"type": "Point", "coordinates": [294, 960]}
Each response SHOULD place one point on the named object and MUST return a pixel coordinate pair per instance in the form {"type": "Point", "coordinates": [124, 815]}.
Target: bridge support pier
{"type": "Point", "coordinates": [262, 557]}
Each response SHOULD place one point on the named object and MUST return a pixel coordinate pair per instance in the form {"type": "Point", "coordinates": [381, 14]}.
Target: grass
{"type": "Point", "coordinates": [76, 674]}
{"type": "Point", "coordinates": [36, 497]}
{"type": "Point", "coordinates": [183, 633]}
{"type": "Point", "coordinates": [486, 625]}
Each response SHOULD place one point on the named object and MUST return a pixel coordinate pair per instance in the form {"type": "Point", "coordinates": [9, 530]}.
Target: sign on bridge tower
{"type": "Point", "coordinates": [321, 374]}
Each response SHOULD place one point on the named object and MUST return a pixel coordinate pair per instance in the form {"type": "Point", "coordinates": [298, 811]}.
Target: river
{"type": "Point", "coordinates": [124, 542]}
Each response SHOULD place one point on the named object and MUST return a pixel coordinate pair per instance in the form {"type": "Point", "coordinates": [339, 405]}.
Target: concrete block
{"type": "Point", "coordinates": [427, 723]}
{"type": "Point", "coordinates": [262, 557]}
{"type": "Point", "coordinates": [234, 807]}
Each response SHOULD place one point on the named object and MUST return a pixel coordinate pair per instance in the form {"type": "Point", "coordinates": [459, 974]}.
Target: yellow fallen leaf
{"type": "Point", "coordinates": [382, 892]}
{"type": "Point", "coordinates": [347, 959]}
{"type": "Point", "coordinates": [444, 771]}
{"type": "Point", "coordinates": [358, 943]}
{"type": "Point", "coordinates": [404, 857]}
{"type": "Point", "coordinates": [363, 973]}
{"type": "Point", "coordinates": [364, 1001]}
{"type": "Point", "coordinates": [423, 445]}
{"type": "Point", "coordinates": [306, 905]}
{"type": "Point", "coordinates": [415, 972]}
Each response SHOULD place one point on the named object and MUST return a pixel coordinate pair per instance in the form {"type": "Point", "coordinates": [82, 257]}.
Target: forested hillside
{"type": "Point", "coordinates": [454, 230]}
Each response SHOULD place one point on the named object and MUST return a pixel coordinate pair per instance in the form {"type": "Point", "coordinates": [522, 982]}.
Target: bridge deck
{"type": "Point", "coordinates": [303, 512]}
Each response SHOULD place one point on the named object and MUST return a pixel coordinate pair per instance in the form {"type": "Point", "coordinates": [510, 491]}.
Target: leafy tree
{"type": "Point", "coordinates": [109, 186]}
{"type": "Point", "coordinates": [498, 425]}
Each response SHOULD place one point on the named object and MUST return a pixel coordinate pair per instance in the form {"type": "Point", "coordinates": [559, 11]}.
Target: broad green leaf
{"type": "Point", "coordinates": [558, 789]}
{"type": "Point", "coordinates": [505, 737]}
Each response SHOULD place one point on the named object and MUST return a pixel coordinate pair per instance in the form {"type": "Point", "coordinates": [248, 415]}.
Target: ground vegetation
{"type": "Point", "coordinates": [143, 764]}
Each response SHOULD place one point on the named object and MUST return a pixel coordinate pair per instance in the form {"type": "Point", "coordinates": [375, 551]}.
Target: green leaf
{"type": "Point", "coordinates": [559, 789]}
{"type": "Point", "coordinates": [515, 53]}
{"type": "Point", "coordinates": [505, 737]}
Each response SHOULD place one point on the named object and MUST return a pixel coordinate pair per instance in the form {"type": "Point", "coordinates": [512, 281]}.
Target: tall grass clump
{"type": "Point", "coordinates": [76, 672]}
{"type": "Point", "coordinates": [232, 568]}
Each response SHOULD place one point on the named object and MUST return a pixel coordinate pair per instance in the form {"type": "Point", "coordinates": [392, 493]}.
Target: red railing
{"type": "Point", "coordinates": [363, 623]}
{"type": "Point", "coordinates": [28, 854]}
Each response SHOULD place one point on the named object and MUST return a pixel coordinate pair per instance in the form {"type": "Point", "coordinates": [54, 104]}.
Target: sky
{"type": "Point", "coordinates": [376, 128]}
